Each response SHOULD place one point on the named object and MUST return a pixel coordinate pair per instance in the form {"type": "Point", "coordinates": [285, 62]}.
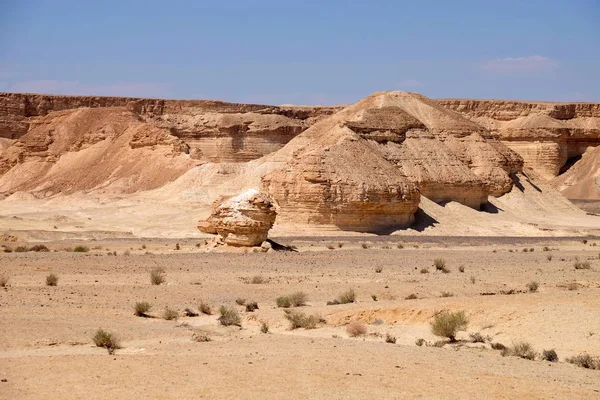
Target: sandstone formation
{"type": "Point", "coordinates": [358, 169]}
{"type": "Point", "coordinates": [549, 136]}
{"type": "Point", "coordinates": [242, 220]}
{"type": "Point", "coordinates": [582, 180]}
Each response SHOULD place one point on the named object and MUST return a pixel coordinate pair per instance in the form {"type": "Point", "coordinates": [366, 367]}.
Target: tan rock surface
{"type": "Point", "coordinates": [242, 220]}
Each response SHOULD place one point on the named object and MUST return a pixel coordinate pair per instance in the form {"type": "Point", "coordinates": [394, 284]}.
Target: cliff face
{"type": "Point", "coordinates": [549, 136]}
{"type": "Point", "coordinates": [215, 131]}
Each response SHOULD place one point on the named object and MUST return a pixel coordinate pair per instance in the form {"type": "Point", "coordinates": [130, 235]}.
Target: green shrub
{"type": "Point", "coordinates": [157, 276]}
{"type": "Point", "coordinates": [229, 316]}
{"type": "Point", "coordinates": [51, 280]}
{"type": "Point", "coordinates": [300, 320]}
{"type": "Point", "coordinates": [141, 308]}
{"type": "Point", "coordinates": [81, 249]}
{"type": "Point", "coordinates": [107, 340]}
{"type": "Point", "coordinates": [448, 324]}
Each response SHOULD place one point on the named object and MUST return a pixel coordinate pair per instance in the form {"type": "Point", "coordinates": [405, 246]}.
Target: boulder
{"type": "Point", "coordinates": [241, 220]}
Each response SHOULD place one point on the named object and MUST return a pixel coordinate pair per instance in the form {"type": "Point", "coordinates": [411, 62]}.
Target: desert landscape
{"type": "Point", "coordinates": [398, 247]}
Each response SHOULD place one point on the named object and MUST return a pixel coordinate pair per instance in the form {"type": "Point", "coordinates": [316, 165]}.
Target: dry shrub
{"type": "Point", "coordinates": [549, 257]}
{"type": "Point", "coordinates": [283, 302]}
{"type": "Point", "coordinates": [298, 299]}
{"type": "Point", "coordinates": [390, 339]}
{"type": "Point", "coordinates": [400, 246]}
{"type": "Point", "coordinates": [169, 314]}
{"type": "Point", "coordinates": [188, 312]}
{"type": "Point", "coordinates": [52, 280]}
{"type": "Point", "coordinates": [157, 276]}
{"type": "Point", "coordinates": [447, 294]}
{"type": "Point", "coordinates": [300, 320]}
{"type": "Point", "coordinates": [365, 246]}
{"type": "Point", "coordinates": [257, 280]}
{"type": "Point", "coordinates": [520, 349]}
{"type": "Point", "coordinates": [201, 337]}
{"type": "Point", "coordinates": [477, 337]}
{"type": "Point", "coordinates": [229, 316]}
{"type": "Point", "coordinates": [355, 329]}
{"type": "Point", "coordinates": [39, 248]}
{"type": "Point", "coordinates": [533, 286]}
{"type": "Point", "coordinates": [424, 270]}
{"type": "Point", "coordinates": [349, 296]}
{"type": "Point", "coordinates": [440, 265]}
{"type": "Point", "coordinates": [4, 280]}
{"type": "Point", "coordinates": [572, 286]}
{"type": "Point", "coordinates": [498, 346]}
{"type": "Point", "coordinates": [582, 265]}
{"type": "Point", "coordinates": [461, 269]}
{"type": "Point", "coordinates": [447, 324]}
{"type": "Point", "coordinates": [20, 249]}
{"type": "Point", "coordinates": [585, 361]}
{"type": "Point", "coordinates": [81, 249]}
{"type": "Point", "coordinates": [251, 306]}
{"type": "Point", "coordinates": [411, 296]}
{"type": "Point", "coordinates": [204, 308]}
{"type": "Point", "coordinates": [420, 342]}
{"type": "Point", "coordinates": [378, 270]}
{"type": "Point", "coordinates": [240, 301]}
{"type": "Point", "coordinates": [141, 308]}
{"type": "Point", "coordinates": [264, 327]}
{"type": "Point", "coordinates": [549, 355]}
{"type": "Point", "coordinates": [107, 340]}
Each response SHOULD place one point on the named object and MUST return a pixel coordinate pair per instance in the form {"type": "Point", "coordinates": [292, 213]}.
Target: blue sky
{"type": "Point", "coordinates": [302, 52]}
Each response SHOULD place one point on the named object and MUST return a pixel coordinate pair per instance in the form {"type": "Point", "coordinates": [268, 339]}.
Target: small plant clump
{"type": "Point", "coordinates": [4, 280]}
{"type": "Point", "coordinates": [447, 324]}
{"type": "Point", "coordinates": [81, 249]}
{"type": "Point", "coordinates": [549, 355]}
{"type": "Point", "coordinates": [39, 248]}
{"type": "Point", "coordinates": [390, 339]}
{"type": "Point", "coordinates": [461, 269]}
{"type": "Point", "coordinates": [107, 340]}
{"type": "Point", "coordinates": [177, 246]}
{"type": "Point", "coordinates": [257, 280]}
{"type": "Point", "coordinates": [549, 257]}
{"type": "Point", "coordinates": [331, 247]}
{"type": "Point", "coordinates": [365, 246]}
{"type": "Point", "coordinates": [20, 249]}
{"type": "Point", "coordinates": [400, 246]}
{"type": "Point", "coordinates": [251, 306]}
{"type": "Point", "coordinates": [355, 329]}
{"type": "Point", "coordinates": [297, 299]}
{"type": "Point", "coordinates": [424, 270]}
{"type": "Point", "coordinates": [52, 280]}
{"type": "Point", "coordinates": [520, 349]}
{"type": "Point", "coordinates": [188, 312]}
{"type": "Point", "coordinates": [204, 308]}
{"type": "Point", "coordinates": [141, 308]}
{"type": "Point", "coordinates": [169, 314]}
{"type": "Point", "coordinates": [283, 302]}
{"type": "Point", "coordinates": [411, 296]}
{"type": "Point", "coordinates": [264, 327]}
{"type": "Point", "coordinates": [348, 296]}
{"type": "Point", "coordinates": [533, 286]}
{"type": "Point", "coordinates": [420, 342]}
{"type": "Point", "coordinates": [157, 276]}
{"type": "Point", "coordinates": [582, 265]}
{"type": "Point", "coordinates": [447, 294]}
{"type": "Point", "coordinates": [585, 361]}
{"type": "Point", "coordinates": [240, 301]}
{"type": "Point", "coordinates": [300, 320]}
{"type": "Point", "coordinates": [229, 316]}
{"type": "Point", "coordinates": [201, 337]}
{"type": "Point", "coordinates": [378, 270]}
{"type": "Point", "coordinates": [477, 337]}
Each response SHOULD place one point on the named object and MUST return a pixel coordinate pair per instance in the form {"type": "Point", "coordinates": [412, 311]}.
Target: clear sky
{"type": "Point", "coordinates": [302, 52]}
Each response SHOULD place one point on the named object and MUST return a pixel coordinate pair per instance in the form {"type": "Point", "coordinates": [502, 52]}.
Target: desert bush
{"type": "Point", "coordinates": [448, 324]}
{"type": "Point", "coordinates": [204, 308]}
{"type": "Point", "coordinates": [400, 246]}
{"type": "Point", "coordinates": [107, 340]}
{"type": "Point", "coordinates": [355, 329]}
{"type": "Point", "coordinates": [447, 294]}
{"type": "Point", "coordinates": [81, 249]}
{"type": "Point", "coordinates": [39, 248]}
{"type": "Point", "coordinates": [201, 337]}
{"type": "Point", "coordinates": [582, 265]}
{"type": "Point", "coordinates": [240, 301]}
{"type": "Point", "coordinates": [424, 270]}
{"type": "Point", "coordinates": [477, 337]}
{"type": "Point", "coordinates": [264, 327]}
{"type": "Point", "coordinates": [52, 280]}
{"type": "Point", "coordinates": [20, 249]}
{"type": "Point", "coordinates": [498, 346]}
{"type": "Point", "coordinates": [251, 306]}
{"type": "Point", "coordinates": [378, 270]}
{"type": "Point", "coordinates": [283, 302]}
{"type": "Point", "coordinates": [340, 245]}
{"type": "Point", "coordinates": [365, 246]}
{"type": "Point", "coordinates": [549, 355]}
{"type": "Point", "coordinates": [546, 248]}
{"type": "Point", "coordinates": [8, 249]}
{"type": "Point", "coordinates": [374, 297]}
{"type": "Point", "coordinates": [169, 314]}
{"type": "Point", "coordinates": [298, 299]}
{"type": "Point", "coordinates": [188, 312]}
{"type": "Point", "coordinates": [349, 296]}
{"type": "Point", "coordinates": [390, 339]}
{"type": "Point", "coordinates": [4, 280]}
{"type": "Point", "coordinates": [531, 250]}
{"type": "Point", "coordinates": [461, 268]}
{"type": "Point", "coordinates": [257, 280]}
{"type": "Point", "coordinates": [420, 342]}
{"type": "Point", "coordinates": [229, 316]}
{"type": "Point", "coordinates": [520, 349]}
{"type": "Point", "coordinates": [141, 308]}
{"type": "Point", "coordinates": [411, 296]}
{"type": "Point", "coordinates": [300, 320]}
{"type": "Point", "coordinates": [157, 276]}
{"type": "Point", "coordinates": [572, 286]}
{"type": "Point", "coordinates": [533, 286]}
{"type": "Point", "coordinates": [525, 250]}
{"type": "Point", "coordinates": [549, 257]}
{"type": "Point", "coordinates": [585, 361]}
{"type": "Point", "coordinates": [439, 264]}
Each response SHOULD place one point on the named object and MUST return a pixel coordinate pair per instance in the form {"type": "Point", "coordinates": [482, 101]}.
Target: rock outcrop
{"type": "Point", "coordinates": [549, 136]}
{"type": "Point", "coordinates": [359, 169]}
{"type": "Point", "coordinates": [242, 220]}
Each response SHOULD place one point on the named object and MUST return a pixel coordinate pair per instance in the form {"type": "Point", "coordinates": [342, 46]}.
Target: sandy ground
{"type": "Point", "coordinates": [46, 349]}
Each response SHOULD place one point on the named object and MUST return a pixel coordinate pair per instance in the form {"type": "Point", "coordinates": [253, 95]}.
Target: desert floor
{"type": "Point", "coordinates": [46, 348]}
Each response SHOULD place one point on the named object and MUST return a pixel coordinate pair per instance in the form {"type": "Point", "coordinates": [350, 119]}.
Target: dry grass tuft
{"type": "Point", "coordinates": [300, 320]}
{"type": "Point", "coordinates": [520, 349]}
{"type": "Point", "coordinates": [229, 316]}
{"type": "Point", "coordinates": [52, 280]}
{"type": "Point", "coordinates": [355, 329]}
{"type": "Point", "coordinates": [157, 276]}
{"type": "Point", "coordinates": [107, 340]}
